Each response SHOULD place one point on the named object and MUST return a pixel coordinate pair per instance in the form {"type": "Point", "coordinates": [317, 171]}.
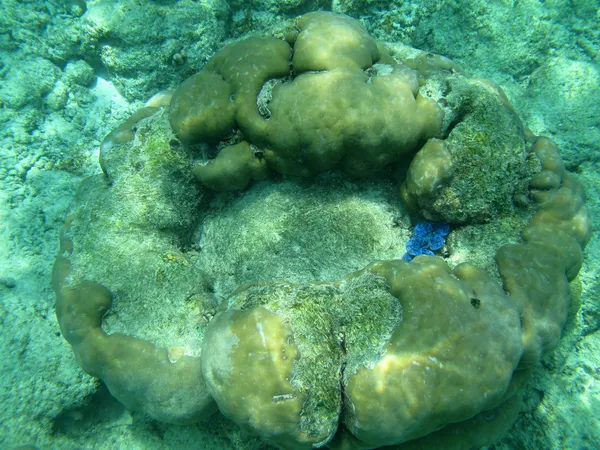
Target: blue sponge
{"type": "Point", "coordinates": [427, 238]}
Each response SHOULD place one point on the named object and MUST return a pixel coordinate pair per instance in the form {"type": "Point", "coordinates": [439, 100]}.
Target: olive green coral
{"type": "Point", "coordinates": [325, 112]}
{"type": "Point", "coordinates": [480, 167]}
{"type": "Point", "coordinates": [273, 361]}
{"type": "Point", "coordinates": [388, 355]}
{"type": "Point", "coordinates": [249, 366]}
{"type": "Point", "coordinates": [452, 356]}
{"type": "Point", "coordinates": [330, 98]}
{"type": "Point", "coordinates": [135, 371]}
{"type": "Point", "coordinates": [420, 354]}
{"type": "Point", "coordinates": [207, 105]}
{"type": "Point", "coordinates": [233, 168]}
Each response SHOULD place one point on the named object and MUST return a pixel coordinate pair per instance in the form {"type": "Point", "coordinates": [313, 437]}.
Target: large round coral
{"type": "Point", "coordinates": [286, 306]}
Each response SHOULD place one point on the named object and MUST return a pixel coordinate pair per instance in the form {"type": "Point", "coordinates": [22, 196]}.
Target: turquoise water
{"type": "Point", "coordinates": [149, 226]}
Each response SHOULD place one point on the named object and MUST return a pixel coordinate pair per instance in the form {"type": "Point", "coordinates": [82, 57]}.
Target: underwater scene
{"type": "Point", "coordinates": [299, 224]}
